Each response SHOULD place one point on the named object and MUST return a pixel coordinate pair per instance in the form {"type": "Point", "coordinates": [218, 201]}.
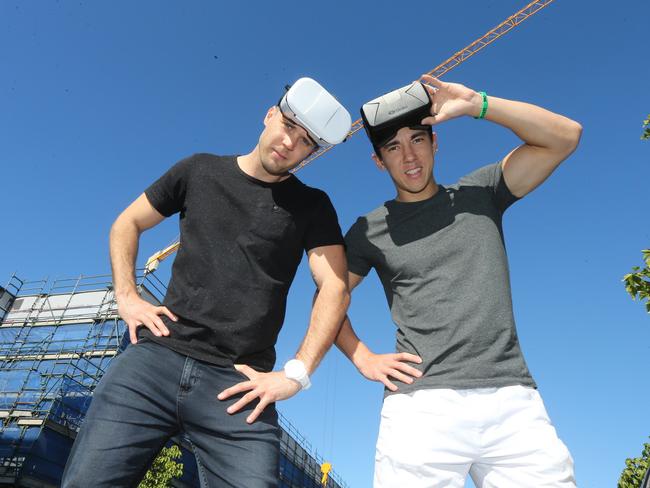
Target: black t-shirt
{"type": "Point", "coordinates": [241, 242]}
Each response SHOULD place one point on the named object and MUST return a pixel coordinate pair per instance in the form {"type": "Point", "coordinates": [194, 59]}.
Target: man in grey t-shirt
{"type": "Point", "coordinates": [460, 398]}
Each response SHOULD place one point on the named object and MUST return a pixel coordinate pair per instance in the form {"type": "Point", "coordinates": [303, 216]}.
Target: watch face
{"type": "Point", "coordinates": [294, 369]}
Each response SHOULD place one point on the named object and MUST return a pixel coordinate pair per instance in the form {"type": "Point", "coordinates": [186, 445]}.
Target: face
{"type": "Point", "coordinates": [283, 143]}
{"type": "Point", "coordinates": [408, 158]}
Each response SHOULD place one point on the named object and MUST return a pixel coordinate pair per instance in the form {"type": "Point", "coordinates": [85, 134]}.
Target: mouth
{"type": "Point", "coordinates": [279, 154]}
{"type": "Point", "coordinates": [413, 173]}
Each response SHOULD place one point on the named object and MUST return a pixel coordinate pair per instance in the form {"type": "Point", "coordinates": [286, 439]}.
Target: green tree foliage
{"type": "Point", "coordinates": [635, 469]}
{"type": "Point", "coordinates": [163, 469]}
{"type": "Point", "coordinates": [637, 283]}
{"type": "Point", "coordinates": [646, 128]}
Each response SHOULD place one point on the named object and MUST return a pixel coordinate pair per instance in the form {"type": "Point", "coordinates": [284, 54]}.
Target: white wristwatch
{"type": "Point", "coordinates": [295, 370]}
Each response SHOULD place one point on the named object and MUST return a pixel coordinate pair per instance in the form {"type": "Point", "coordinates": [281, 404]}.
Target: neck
{"type": "Point", "coordinates": [427, 192]}
{"type": "Point", "coordinates": [251, 164]}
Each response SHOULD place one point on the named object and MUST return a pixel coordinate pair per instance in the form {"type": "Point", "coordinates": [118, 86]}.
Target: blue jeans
{"type": "Point", "coordinates": [151, 393]}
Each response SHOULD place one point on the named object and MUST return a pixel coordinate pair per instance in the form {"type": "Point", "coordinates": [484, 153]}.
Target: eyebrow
{"type": "Point", "coordinates": [295, 124]}
{"type": "Point", "coordinates": [390, 144]}
{"type": "Point", "coordinates": [418, 134]}
{"type": "Point", "coordinates": [395, 142]}
{"type": "Point", "coordinates": [288, 120]}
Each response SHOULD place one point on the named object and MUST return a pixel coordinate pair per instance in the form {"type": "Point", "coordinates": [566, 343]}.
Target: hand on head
{"type": "Point", "coordinates": [449, 100]}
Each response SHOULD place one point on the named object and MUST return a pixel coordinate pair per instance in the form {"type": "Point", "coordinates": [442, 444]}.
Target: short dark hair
{"type": "Point", "coordinates": [377, 145]}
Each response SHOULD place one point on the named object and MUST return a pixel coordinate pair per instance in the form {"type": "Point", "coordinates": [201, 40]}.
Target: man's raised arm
{"type": "Point", "coordinates": [549, 138]}
{"type": "Point", "coordinates": [124, 240]}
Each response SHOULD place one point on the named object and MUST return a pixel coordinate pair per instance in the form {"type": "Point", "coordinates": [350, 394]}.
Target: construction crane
{"type": "Point", "coordinates": [461, 56]}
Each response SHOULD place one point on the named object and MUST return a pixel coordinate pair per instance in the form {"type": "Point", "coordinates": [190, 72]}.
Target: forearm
{"type": "Point", "coordinates": [534, 125]}
{"type": "Point", "coordinates": [329, 308]}
{"type": "Point", "coordinates": [377, 367]}
{"type": "Point", "coordinates": [551, 133]}
{"type": "Point", "coordinates": [349, 343]}
{"type": "Point", "coordinates": [124, 239]}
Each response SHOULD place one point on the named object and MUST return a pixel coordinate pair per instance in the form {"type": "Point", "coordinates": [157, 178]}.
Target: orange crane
{"type": "Point", "coordinates": [467, 52]}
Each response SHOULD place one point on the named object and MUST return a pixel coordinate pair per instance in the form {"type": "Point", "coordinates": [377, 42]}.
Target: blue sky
{"type": "Point", "coordinates": [97, 99]}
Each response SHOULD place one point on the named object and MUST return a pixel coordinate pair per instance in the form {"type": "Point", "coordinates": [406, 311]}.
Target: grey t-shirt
{"type": "Point", "coordinates": [443, 266]}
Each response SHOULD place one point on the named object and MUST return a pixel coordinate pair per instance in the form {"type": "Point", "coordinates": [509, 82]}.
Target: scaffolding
{"type": "Point", "coordinates": [56, 340]}
{"type": "Point", "coordinates": [300, 463]}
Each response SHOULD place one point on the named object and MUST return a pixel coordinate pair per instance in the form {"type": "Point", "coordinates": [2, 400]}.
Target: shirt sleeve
{"type": "Point", "coordinates": [323, 228]}
{"type": "Point", "coordinates": [355, 240]}
{"type": "Point", "coordinates": [491, 177]}
{"type": "Point", "coordinates": [167, 193]}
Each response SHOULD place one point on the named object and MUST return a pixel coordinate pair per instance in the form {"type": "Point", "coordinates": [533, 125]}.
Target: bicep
{"type": "Point", "coordinates": [142, 214]}
{"type": "Point", "coordinates": [328, 263]}
{"type": "Point", "coordinates": [527, 167]}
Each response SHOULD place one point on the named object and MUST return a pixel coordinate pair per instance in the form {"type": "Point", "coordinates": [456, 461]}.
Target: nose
{"type": "Point", "coordinates": [409, 153]}
{"type": "Point", "coordinates": [288, 142]}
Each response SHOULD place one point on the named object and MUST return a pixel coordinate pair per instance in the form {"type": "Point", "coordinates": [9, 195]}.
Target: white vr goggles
{"type": "Point", "coordinates": [317, 111]}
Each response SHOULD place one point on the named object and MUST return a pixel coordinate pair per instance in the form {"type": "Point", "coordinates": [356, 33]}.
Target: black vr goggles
{"type": "Point", "coordinates": [404, 107]}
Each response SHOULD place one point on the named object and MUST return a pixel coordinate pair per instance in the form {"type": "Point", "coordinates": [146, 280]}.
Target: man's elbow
{"type": "Point", "coordinates": [115, 228]}
{"type": "Point", "coordinates": [339, 292]}
{"type": "Point", "coordinates": [346, 297]}
{"type": "Point", "coordinates": [571, 133]}
{"type": "Point", "coordinates": [343, 293]}
{"type": "Point", "coordinates": [124, 224]}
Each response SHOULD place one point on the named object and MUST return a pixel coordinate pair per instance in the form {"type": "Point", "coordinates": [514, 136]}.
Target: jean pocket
{"type": "Point", "coordinates": [239, 376]}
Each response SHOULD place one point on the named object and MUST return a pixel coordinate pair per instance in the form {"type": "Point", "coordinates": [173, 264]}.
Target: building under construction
{"type": "Point", "coordinates": [56, 340]}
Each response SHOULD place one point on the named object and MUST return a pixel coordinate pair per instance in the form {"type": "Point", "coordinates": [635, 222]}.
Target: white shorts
{"type": "Point", "coordinates": [501, 437]}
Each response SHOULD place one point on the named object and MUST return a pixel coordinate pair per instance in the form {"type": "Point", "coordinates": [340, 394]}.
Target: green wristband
{"type": "Point", "coordinates": [484, 107]}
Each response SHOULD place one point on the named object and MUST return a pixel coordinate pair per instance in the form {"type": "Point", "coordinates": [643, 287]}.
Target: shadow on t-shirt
{"type": "Point", "coordinates": [410, 222]}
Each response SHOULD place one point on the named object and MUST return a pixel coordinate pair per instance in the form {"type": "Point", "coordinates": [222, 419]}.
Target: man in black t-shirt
{"type": "Point", "coordinates": [245, 222]}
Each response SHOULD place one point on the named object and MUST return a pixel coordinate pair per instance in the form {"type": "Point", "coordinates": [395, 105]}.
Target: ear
{"type": "Point", "coordinates": [269, 115]}
{"type": "Point", "coordinates": [434, 142]}
{"type": "Point", "coordinates": [378, 162]}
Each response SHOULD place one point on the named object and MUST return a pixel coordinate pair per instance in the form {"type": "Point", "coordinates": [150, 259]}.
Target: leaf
{"type": "Point", "coordinates": [637, 283]}
{"type": "Point", "coordinates": [163, 469]}
{"type": "Point", "coordinates": [635, 469]}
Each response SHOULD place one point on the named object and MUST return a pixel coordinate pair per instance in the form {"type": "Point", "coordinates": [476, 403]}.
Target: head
{"type": "Point", "coordinates": [403, 146]}
{"type": "Point", "coordinates": [306, 118]}
{"type": "Point", "coordinates": [283, 143]}
{"type": "Point", "coordinates": [408, 157]}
